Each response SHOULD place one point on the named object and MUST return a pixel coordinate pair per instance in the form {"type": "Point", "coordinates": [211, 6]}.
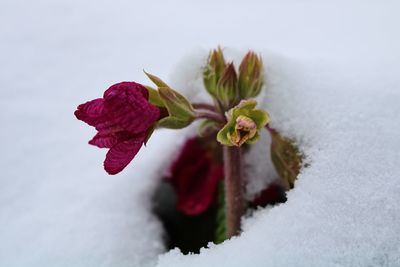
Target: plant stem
{"type": "Point", "coordinates": [234, 205]}
{"type": "Point", "coordinates": [200, 114]}
{"type": "Point", "coordinates": [204, 106]}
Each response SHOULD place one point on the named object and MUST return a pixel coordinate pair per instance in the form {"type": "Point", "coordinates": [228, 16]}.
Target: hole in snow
{"type": "Point", "coordinates": [188, 233]}
{"type": "Point", "coordinates": [188, 203]}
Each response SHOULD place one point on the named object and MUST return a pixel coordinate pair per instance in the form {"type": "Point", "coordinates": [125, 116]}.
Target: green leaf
{"type": "Point", "coordinates": [286, 159]}
{"type": "Point", "coordinates": [173, 123]}
{"type": "Point", "coordinates": [260, 117]}
{"type": "Point", "coordinates": [220, 232]}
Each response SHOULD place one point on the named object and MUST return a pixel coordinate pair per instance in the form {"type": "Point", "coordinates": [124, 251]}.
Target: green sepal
{"type": "Point", "coordinates": [157, 81]}
{"type": "Point", "coordinates": [173, 123]}
{"type": "Point", "coordinates": [154, 97]}
{"type": "Point", "coordinates": [210, 80]}
{"type": "Point", "coordinates": [180, 111]}
{"type": "Point", "coordinates": [176, 104]}
{"type": "Point", "coordinates": [260, 117]}
{"type": "Point", "coordinates": [254, 139]}
{"type": "Point", "coordinates": [227, 88]}
{"type": "Point", "coordinates": [206, 127]}
{"type": "Point", "coordinates": [248, 104]}
{"type": "Point", "coordinates": [223, 134]}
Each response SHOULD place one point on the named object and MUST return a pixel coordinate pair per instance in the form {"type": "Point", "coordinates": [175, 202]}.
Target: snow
{"type": "Point", "coordinates": [332, 72]}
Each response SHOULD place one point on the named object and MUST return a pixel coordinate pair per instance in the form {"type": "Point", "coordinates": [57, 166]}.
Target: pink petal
{"type": "Point", "coordinates": [127, 86]}
{"type": "Point", "coordinates": [195, 177]}
{"type": "Point", "coordinates": [91, 112]}
{"type": "Point", "coordinates": [274, 193]}
{"type": "Point", "coordinates": [104, 140]}
{"type": "Point", "coordinates": [199, 198]}
{"type": "Point", "coordinates": [127, 104]}
{"type": "Point", "coordinates": [121, 154]}
{"type": "Point", "coordinates": [190, 153]}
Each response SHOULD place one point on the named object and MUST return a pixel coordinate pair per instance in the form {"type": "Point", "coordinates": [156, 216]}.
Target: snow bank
{"type": "Point", "coordinates": [343, 210]}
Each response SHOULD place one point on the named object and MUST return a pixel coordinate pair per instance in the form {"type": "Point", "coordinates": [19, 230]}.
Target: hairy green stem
{"type": "Point", "coordinates": [234, 205]}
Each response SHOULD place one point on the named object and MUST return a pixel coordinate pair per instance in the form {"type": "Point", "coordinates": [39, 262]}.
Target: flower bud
{"type": "Point", "coordinates": [250, 75]}
{"type": "Point", "coordinates": [122, 127]}
{"type": "Point", "coordinates": [245, 129]}
{"type": "Point", "coordinates": [213, 70]}
{"type": "Point", "coordinates": [227, 88]}
{"type": "Point", "coordinates": [244, 123]}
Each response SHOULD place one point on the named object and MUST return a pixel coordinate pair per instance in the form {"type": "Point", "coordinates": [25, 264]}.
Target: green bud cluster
{"type": "Point", "coordinates": [225, 85]}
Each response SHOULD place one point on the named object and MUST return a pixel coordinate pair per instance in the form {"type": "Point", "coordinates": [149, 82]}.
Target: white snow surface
{"type": "Point", "coordinates": [333, 83]}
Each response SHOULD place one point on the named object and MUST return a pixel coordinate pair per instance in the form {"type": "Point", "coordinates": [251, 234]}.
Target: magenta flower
{"type": "Point", "coordinates": [274, 193]}
{"type": "Point", "coordinates": [122, 118]}
{"type": "Point", "coordinates": [195, 175]}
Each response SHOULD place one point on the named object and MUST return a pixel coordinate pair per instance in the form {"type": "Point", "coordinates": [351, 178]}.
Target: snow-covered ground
{"type": "Point", "coordinates": [333, 84]}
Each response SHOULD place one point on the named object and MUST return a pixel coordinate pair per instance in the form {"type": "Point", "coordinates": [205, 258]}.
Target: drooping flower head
{"type": "Point", "coordinates": [123, 118]}
{"type": "Point", "coordinates": [195, 175]}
